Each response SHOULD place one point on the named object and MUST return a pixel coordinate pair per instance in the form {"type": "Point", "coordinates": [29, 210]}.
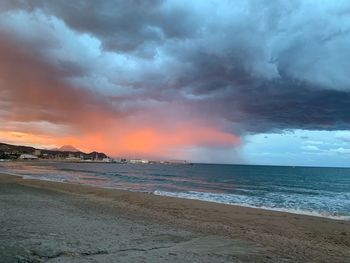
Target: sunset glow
{"type": "Point", "coordinates": [140, 142]}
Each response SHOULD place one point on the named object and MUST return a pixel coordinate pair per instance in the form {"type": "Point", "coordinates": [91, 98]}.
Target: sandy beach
{"type": "Point", "coordinates": [43, 221]}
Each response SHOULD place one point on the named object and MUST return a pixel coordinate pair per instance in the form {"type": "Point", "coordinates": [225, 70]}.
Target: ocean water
{"type": "Point", "coordinates": [321, 192]}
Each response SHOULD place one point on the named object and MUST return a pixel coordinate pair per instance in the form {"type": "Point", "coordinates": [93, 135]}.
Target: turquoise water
{"type": "Point", "coordinates": [304, 190]}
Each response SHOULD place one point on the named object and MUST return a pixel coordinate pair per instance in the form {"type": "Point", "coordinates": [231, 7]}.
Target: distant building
{"type": "Point", "coordinates": [120, 160]}
{"type": "Point", "coordinates": [27, 157]}
{"type": "Point", "coordinates": [37, 152]}
{"type": "Point", "coordinates": [107, 160]}
{"type": "Point", "coordinates": [138, 161]}
{"type": "Point", "coordinates": [73, 159]}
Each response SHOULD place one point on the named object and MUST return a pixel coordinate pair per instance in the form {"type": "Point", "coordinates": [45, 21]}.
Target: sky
{"type": "Point", "coordinates": [249, 81]}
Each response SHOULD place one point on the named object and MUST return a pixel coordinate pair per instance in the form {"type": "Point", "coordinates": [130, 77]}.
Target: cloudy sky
{"type": "Point", "coordinates": [262, 82]}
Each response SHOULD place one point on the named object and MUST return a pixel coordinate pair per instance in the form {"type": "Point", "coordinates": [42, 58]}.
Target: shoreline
{"type": "Point", "coordinates": [171, 195]}
{"type": "Point", "coordinates": [273, 236]}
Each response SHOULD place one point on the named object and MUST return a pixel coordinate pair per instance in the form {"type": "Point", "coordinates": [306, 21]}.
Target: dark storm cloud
{"type": "Point", "coordinates": [120, 25]}
{"type": "Point", "coordinates": [288, 106]}
{"type": "Point", "coordinates": [252, 66]}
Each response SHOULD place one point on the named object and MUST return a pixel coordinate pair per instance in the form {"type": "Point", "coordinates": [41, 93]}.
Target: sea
{"type": "Point", "coordinates": [323, 192]}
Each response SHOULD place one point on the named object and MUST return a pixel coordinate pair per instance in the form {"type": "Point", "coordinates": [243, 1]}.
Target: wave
{"type": "Point", "coordinates": [246, 201]}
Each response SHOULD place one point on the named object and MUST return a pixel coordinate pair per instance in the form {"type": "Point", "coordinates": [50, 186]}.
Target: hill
{"type": "Point", "coordinates": [68, 148]}
{"type": "Point", "coordinates": [9, 151]}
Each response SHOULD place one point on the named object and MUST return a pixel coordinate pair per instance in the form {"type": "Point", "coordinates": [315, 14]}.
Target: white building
{"type": "Point", "coordinates": [138, 161]}
{"type": "Point", "coordinates": [28, 157]}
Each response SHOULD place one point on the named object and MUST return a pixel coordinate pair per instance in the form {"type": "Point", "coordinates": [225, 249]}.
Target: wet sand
{"type": "Point", "coordinates": [55, 222]}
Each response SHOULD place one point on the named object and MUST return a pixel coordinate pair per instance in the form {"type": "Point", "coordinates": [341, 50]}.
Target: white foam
{"type": "Point", "coordinates": [243, 201]}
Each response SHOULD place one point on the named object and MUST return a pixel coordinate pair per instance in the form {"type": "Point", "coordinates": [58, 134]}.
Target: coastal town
{"type": "Point", "coordinates": [68, 153]}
